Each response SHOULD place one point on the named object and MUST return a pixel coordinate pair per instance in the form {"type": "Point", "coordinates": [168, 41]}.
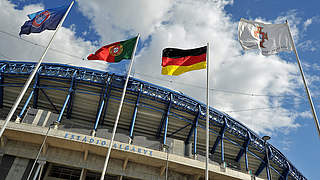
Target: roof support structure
{"type": "Point", "coordinates": [264, 164]}
{"type": "Point", "coordinates": [194, 130]}
{"type": "Point", "coordinates": [164, 121]}
{"type": "Point", "coordinates": [61, 73]}
{"type": "Point", "coordinates": [134, 115]}
{"type": "Point", "coordinates": [67, 98]}
{"type": "Point", "coordinates": [244, 151]}
{"type": "Point", "coordinates": [36, 90]}
{"type": "Point", "coordinates": [195, 137]}
{"type": "Point", "coordinates": [49, 100]}
{"type": "Point", "coordinates": [178, 130]}
{"type": "Point", "coordinates": [102, 103]}
{"type": "Point", "coordinates": [260, 169]}
{"type": "Point", "coordinates": [71, 92]}
{"type": "Point", "coordinates": [159, 131]}
{"type": "Point", "coordinates": [1, 85]}
{"type": "Point", "coordinates": [109, 86]}
{"type": "Point", "coordinates": [220, 140]}
{"type": "Point", "coordinates": [267, 161]}
{"type": "Point", "coordinates": [167, 120]}
{"type": "Point", "coordinates": [285, 175]}
{"type": "Point", "coordinates": [25, 105]}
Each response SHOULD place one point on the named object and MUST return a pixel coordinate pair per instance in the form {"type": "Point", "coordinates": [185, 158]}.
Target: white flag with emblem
{"type": "Point", "coordinates": [269, 38]}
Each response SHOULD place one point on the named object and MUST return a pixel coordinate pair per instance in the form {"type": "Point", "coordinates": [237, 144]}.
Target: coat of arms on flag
{"type": "Point", "coordinates": [43, 20]}
{"type": "Point", "coordinates": [269, 38]}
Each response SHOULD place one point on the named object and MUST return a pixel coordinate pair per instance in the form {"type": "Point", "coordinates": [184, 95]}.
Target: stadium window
{"type": "Point", "coordinates": [64, 172]}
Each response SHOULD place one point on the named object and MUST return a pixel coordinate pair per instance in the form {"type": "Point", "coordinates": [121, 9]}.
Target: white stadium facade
{"type": "Point", "coordinates": [68, 112]}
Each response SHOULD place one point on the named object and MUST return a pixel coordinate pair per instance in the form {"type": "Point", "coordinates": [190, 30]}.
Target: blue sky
{"type": "Point", "coordinates": [277, 105]}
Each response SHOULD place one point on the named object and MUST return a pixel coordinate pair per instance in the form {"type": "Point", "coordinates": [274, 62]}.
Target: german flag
{"type": "Point", "coordinates": [178, 61]}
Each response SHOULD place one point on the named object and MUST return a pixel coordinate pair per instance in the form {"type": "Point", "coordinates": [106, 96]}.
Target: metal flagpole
{"type": "Point", "coordinates": [207, 118]}
{"type": "Point", "coordinates": [28, 82]}
{"type": "Point", "coordinates": [119, 111]}
{"type": "Point", "coordinates": [305, 83]}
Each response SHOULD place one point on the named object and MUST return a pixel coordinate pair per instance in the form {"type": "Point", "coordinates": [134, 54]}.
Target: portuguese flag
{"type": "Point", "coordinates": [115, 52]}
{"type": "Point", "coordinates": [178, 61]}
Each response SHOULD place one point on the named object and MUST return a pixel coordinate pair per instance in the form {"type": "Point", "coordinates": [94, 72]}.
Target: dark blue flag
{"type": "Point", "coordinates": [42, 20]}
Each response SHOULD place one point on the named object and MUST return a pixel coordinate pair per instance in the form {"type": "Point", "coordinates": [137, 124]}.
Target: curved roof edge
{"type": "Point", "coordinates": [180, 100]}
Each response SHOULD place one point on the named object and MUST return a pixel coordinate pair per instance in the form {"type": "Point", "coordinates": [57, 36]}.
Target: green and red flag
{"type": "Point", "coordinates": [115, 52]}
{"type": "Point", "coordinates": [178, 61]}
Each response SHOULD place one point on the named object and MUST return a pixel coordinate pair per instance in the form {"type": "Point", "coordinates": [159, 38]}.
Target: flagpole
{"type": "Point", "coordinates": [207, 117]}
{"type": "Point", "coordinates": [28, 82]}
{"type": "Point", "coordinates": [305, 83]}
{"type": "Point", "coordinates": [119, 111]}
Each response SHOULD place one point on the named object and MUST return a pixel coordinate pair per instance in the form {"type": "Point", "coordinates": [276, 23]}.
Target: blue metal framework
{"type": "Point", "coordinates": [193, 131]}
{"type": "Point", "coordinates": [102, 102]}
{"type": "Point", "coordinates": [135, 111]}
{"type": "Point", "coordinates": [1, 84]}
{"type": "Point", "coordinates": [69, 96]}
{"type": "Point", "coordinates": [220, 140]}
{"type": "Point", "coordinates": [173, 99]}
{"type": "Point", "coordinates": [244, 151]}
{"type": "Point", "coordinates": [108, 89]}
{"type": "Point", "coordinates": [36, 90]}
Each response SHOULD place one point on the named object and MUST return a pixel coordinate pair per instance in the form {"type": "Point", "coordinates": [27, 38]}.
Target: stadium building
{"type": "Point", "coordinates": [161, 133]}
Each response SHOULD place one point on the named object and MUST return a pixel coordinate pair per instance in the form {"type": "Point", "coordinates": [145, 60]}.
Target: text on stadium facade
{"type": "Point", "coordinates": [96, 141]}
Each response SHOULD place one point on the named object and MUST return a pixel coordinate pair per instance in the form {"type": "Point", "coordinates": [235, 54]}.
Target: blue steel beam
{"type": "Point", "coordinates": [36, 90]}
{"type": "Point", "coordinates": [134, 115]}
{"type": "Point", "coordinates": [101, 105]}
{"type": "Point", "coordinates": [260, 169]}
{"type": "Point", "coordinates": [284, 175]}
{"type": "Point", "coordinates": [264, 164]}
{"type": "Point", "coordinates": [108, 97]}
{"type": "Point", "coordinates": [25, 104]}
{"type": "Point", "coordinates": [67, 98]}
{"type": "Point", "coordinates": [194, 125]}
{"type": "Point", "coordinates": [221, 143]}
{"type": "Point", "coordinates": [195, 134]}
{"type": "Point", "coordinates": [268, 165]}
{"type": "Point", "coordinates": [244, 151]}
{"type": "Point", "coordinates": [178, 130]}
{"type": "Point", "coordinates": [104, 87]}
{"type": "Point", "coordinates": [34, 93]}
{"type": "Point", "coordinates": [71, 92]}
{"type": "Point", "coordinates": [49, 100]}
{"type": "Point", "coordinates": [164, 118]}
{"type": "Point", "coordinates": [1, 85]}
{"type": "Point", "coordinates": [165, 121]}
{"type": "Point", "coordinates": [220, 139]}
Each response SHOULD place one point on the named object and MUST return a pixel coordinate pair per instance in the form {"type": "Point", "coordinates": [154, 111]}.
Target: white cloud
{"type": "Point", "coordinates": [183, 24]}
{"type": "Point", "coordinates": [307, 23]}
{"type": "Point", "coordinates": [189, 24]}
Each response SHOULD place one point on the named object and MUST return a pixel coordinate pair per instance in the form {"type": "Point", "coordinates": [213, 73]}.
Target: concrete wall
{"type": "Point", "coordinates": [61, 148]}
{"type": "Point", "coordinates": [76, 159]}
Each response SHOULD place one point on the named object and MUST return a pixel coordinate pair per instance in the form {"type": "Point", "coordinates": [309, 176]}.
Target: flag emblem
{"type": "Point", "coordinates": [116, 50]}
{"type": "Point", "coordinates": [269, 38]}
{"type": "Point", "coordinates": [261, 35]}
{"type": "Point", "coordinates": [48, 19]}
{"type": "Point", "coordinates": [40, 18]}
